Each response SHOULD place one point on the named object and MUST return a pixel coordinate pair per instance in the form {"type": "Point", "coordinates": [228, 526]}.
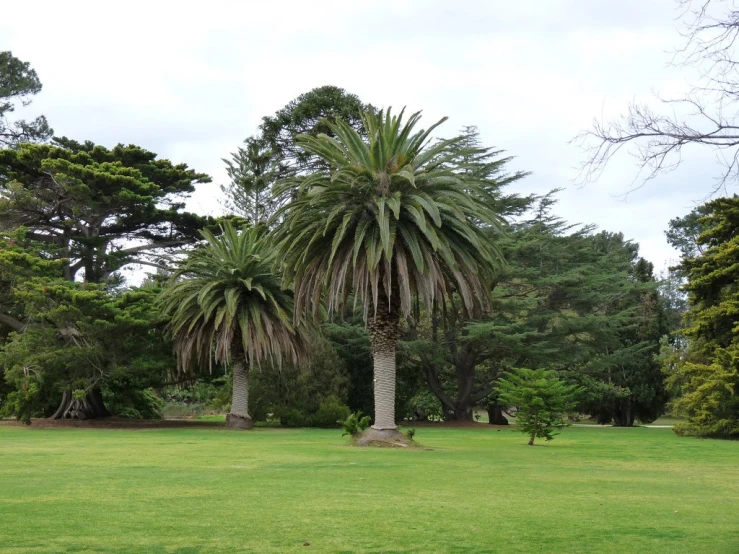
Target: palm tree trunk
{"type": "Point", "coordinates": [384, 370]}
{"type": "Point", "coordinates": [383, 332]}
{"type": "Point", "coordinates": [238, 417]}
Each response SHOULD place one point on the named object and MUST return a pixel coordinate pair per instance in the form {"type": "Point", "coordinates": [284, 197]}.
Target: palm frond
{"type": "Point", "coordinates": [226, 299]}
{"type": "Point", "coordinates": [394, 215]}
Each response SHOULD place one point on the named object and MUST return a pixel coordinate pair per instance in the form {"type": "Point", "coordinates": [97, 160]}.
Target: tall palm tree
{"type": "Point", "coordinates": [397, 220]}
{"type": "Point", "coordinates": [225, 303]}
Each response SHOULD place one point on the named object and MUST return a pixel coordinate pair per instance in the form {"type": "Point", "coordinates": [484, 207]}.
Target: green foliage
{"type": "Point", "coordinates": [684, 232]}
{"type": "Point", "coordinates": [91, 203]}
{"type": "Point", "coordinates": [206, 394]}
{"type": "Point", "coordinates": [21, 260]}
{"type": "Point", "coordinates": [18, 82]}
{"type": "Point", "coordinates": [295, 394]}
{"type": "Point", "coordinates": [410, 433]}
{"type": "Point", "coordinates": [308, 114]}
{"type": "Point", "coordinates": [350, 341]}
{"type": "Point", "coordinates": [425, 405]}
{"type": "Point", "coordinates": [704, 369]}
{"type": "Point", "coordinates": [542, 400]}
{"type": "Point", "coordinates": [355, 423]}
{"type": "Point", "coordinates": [393, 211]}
{"type": "Point", "coordinates": [225, 301]}
{"type": "Point", "coordinates": [25, 400]}
{"type": "Point", "coordinates": [458, 369]}
{"type": "Point", "coordinates": [274, 152]}
{"type": "Point", "coordinates": [252, 170]}
{"type": "Point", "coordinates": [134, 403]}
{"type": "Point", "coordinates": [331, 413]}
{"type": "Point", "coordinates": [82, 336]}
{"type": "Point", "coordinates": [567, 299]}
{"type": "Point", "coordinates": [291, 417]}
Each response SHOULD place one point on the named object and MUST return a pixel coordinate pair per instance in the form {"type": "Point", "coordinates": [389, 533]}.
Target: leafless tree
{"type": "Point", "coordinates": [707, 116]}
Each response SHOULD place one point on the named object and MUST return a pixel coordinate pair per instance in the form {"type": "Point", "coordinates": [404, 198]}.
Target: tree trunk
{"type": "Point", "coordinates": [623, 415]}
{"type": "Point", "coordinates": [91, 406]}
{"type": "Point", "coordinates": [531, 440]}
{"type": "Point", "coordinates": [495, 414]}
{"type": "Point", "coordinates": [238, 417]}
{"type": "Point", "coordinates": [382, 324]}
{"type": "Point", "coordinates": [384, 336]}
{"type": "Point", "coordinates": [464, 413]}
{"type": "Point", "coordinates": [383, 364]}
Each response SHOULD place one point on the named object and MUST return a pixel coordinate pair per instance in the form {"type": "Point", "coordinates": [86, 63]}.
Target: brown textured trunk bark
{"type": "Point", "coordinates": [91, 406]}
{"type": "Point", "coordinates": [495, 415]}
{"type": "Point", "coordinates": [464, 413]}
{"type": "Point", "coordinates": [623, 414]}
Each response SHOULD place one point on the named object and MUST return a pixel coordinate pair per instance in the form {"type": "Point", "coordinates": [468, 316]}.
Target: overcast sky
{"type": "Point", "coordinates": [191, 80]}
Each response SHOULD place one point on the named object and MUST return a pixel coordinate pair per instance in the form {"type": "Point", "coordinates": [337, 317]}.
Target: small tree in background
{"type": "Point", "coordinates": [18, 83]}
{"type": "Point", "coordinates": [542, 399]}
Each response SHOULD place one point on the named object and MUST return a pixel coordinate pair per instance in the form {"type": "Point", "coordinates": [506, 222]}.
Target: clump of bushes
{"type": "Point", "coordinates": [310, 396]}
{"type": "Point", "coordinates": [331, 412]}
{"type": "Point", "coordinates": [424, 405]}
{"type": "Point", "coordinates": [200, 397]}
{"type": "Point", "coordinates": [134, 403]}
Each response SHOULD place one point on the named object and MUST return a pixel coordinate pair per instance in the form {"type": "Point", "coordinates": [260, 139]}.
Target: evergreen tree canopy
{"type": "Point", "coordinates": [18, 82]}
{"type": "Point", "coordinates": [274, 153]}
{"type": "Point", "coordinates": [84, 345]}
{"type": "Point", "coordinates": [567, 299]}
{"type": "Point", "coordinates": [253, 170]}
{"type": "Point", "coordinates": [706, 373]}
{"type": "Point", "coordinates": [542, 401]}
{"type": "Point", "coordinates": [309, 114]}
{"type": "Point", "coordinates": [101, 208]}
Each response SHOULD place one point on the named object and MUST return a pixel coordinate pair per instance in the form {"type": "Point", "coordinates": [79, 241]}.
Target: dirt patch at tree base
{"type": "Point", "coordinates": [386, 438]}
{"type": "Point", "coordinates": [238, 422]}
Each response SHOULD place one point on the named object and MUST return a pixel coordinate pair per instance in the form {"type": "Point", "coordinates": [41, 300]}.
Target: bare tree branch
{"type": "Point", "coordinates": [708, 116]}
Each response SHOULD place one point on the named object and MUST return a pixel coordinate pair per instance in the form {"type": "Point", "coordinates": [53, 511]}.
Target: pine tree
{"type": "Point", "coordinates": [542, 400]}
{"type": "Point", "coordinates": [706, 371]}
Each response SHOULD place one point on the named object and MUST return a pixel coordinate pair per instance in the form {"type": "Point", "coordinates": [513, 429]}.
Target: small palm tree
{"type": "Point", "coordinates": [225, 303]}
{"type": "Point", "coordinates": [395, 220]}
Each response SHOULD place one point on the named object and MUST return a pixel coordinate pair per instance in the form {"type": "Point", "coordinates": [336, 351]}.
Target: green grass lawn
{"type": "Point", "coordinates": [270, 490]}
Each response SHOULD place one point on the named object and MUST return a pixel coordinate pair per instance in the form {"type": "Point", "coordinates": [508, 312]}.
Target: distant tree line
{"type": "Point", "coordinates": [364, 266]}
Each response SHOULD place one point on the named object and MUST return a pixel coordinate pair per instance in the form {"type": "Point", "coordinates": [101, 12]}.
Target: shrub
{"type": "Point", "coordinates": [330, 413]}
{"type": "Point", "coordinates": [292, 417]}
{"type": "Point", "coordinates": [354, 424]}
{"type": "Point", "coordinates": [425, 405]}
{"type": "Point", "coordinates": [134, 404]}
{"type": "Point", "coordinates": [276, 390]}
{"type": "Point", "coordinates": [410, 433]}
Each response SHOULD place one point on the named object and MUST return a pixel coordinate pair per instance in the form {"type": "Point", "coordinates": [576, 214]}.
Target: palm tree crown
{"type": "Point", "coordinates": [227, 295]}
{"type": "Point", "coordinates": [394, 215]}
